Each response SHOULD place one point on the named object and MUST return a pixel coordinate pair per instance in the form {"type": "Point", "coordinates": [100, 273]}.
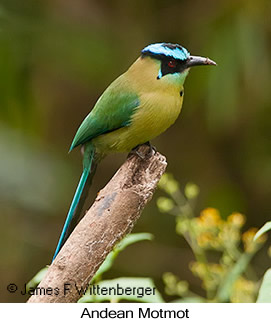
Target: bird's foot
{"type": "Point", "coordinates": [151, 152]}
{"type": "Point", "coordinates": [153, 149]}
{"type": "Point", "coordinates": [135, 152]}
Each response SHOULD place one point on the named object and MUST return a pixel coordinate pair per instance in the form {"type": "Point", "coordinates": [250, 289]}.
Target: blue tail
{"type": "Point", "coordinates": [72, 211]}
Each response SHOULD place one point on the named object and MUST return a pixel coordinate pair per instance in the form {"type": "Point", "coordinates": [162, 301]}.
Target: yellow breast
{"type": "Point", "coordinates": [157, 113]}
{"type": "Point", "coordinates": [154, 116]}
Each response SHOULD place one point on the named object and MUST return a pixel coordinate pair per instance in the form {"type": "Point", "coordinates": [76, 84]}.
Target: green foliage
{"type": "Point", "coordinates": [264, 229]}
{"type": "Point", "coordinates": [265, 290]}
{"type": "Point", "coordinates": [222, 251]}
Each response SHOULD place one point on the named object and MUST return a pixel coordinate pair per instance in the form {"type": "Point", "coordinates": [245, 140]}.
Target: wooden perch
{"type": "Point", "coordinates": [113, 215]}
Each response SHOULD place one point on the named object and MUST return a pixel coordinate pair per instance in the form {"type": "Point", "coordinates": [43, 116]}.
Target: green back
{"type": "Point", "coordinates": [112, 111]}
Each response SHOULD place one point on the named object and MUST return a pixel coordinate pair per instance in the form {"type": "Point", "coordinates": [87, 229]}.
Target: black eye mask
{"type": "Point", "coordinates": [171, 66]}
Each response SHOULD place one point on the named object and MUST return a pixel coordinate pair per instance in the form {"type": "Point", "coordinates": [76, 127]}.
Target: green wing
{"type": "Point", "coordinates": [112, 111]}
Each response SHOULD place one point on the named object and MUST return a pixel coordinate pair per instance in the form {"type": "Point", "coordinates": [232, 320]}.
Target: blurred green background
{"type": "Point", "coordinates": [57, 57]}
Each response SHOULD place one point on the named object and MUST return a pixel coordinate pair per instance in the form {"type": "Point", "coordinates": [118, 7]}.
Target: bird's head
{"type": "Point", "coordinates": [173, 61]}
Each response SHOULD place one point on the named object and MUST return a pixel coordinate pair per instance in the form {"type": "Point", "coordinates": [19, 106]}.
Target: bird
{"type": "Point", "coordinates": [135, 108]}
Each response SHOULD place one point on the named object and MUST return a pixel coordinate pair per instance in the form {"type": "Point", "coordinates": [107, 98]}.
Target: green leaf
{"type": "Point", "coordinates": [128, 240]}
{"type": "Point", "coordinates": [133, 238]}
{"type": "Point", "coordinates": [264, 229]}
{"type": "Point", "coordinates": [265, 289]}
{"type": "Point", "coordinates": [37, 278]}
{"type": "Point", "coordinates": [139, 287]}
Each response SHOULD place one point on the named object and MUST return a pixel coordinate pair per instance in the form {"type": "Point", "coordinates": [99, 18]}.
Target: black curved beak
{"type": "Point", "coordinates": [198, 60]}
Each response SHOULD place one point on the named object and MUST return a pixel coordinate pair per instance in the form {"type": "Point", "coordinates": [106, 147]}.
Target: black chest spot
{"type": "Point", "coordinates": [181, 93]}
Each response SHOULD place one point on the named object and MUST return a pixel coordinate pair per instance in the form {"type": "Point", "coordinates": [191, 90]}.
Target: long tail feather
{"type": "Point", "coordinates": [74, 210]}
{"type": "Point", "coordinates": [78, 214]}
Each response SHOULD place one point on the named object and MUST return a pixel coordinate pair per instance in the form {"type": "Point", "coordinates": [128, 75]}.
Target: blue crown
{"type": "Point", "coordinates": [166, 49]}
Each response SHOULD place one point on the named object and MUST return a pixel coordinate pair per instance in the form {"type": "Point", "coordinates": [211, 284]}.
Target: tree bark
{"type": "Point", "coordinates": [113, 214]}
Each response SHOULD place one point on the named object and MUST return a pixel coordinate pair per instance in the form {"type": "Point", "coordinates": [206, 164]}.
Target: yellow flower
{"type": "Point", "coordinates": [247, 238]}
{"type": "Point", "coordinates": [211, 274]}
{"type": "Point", "coordinates": [198, 268]}
{"type": "Point", "coordinates": [236, 219]}
{"type": "Point", "coordinates": [229, 235]}
{"type": "Point", "coordinates": [209, 218]}
{"type": "Point", "coordinates": [217, 269]}
{"type": "Point", "coordinates": [249, 243]}
{"type": "Point", "coordinates": [244, 291]}
{"type": "Point", "coordinates": [205, 239]}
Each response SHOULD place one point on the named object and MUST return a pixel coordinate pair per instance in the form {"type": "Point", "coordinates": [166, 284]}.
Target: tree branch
{"type": "Point", "coordinates": [113, 214]}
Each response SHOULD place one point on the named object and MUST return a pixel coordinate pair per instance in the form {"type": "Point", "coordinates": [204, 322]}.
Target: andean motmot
{"type": "Point", "coordinates": [137, 107]}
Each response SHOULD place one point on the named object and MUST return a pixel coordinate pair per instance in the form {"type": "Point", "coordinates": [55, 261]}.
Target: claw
{"type": "Point", "coordinates": [152, 151]}
{"type": "Point", "coordinates": [134, 151]}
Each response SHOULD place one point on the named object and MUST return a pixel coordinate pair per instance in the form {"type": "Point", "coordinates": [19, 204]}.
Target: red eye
{"type": "Point", "coordinates": [171, 64]}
